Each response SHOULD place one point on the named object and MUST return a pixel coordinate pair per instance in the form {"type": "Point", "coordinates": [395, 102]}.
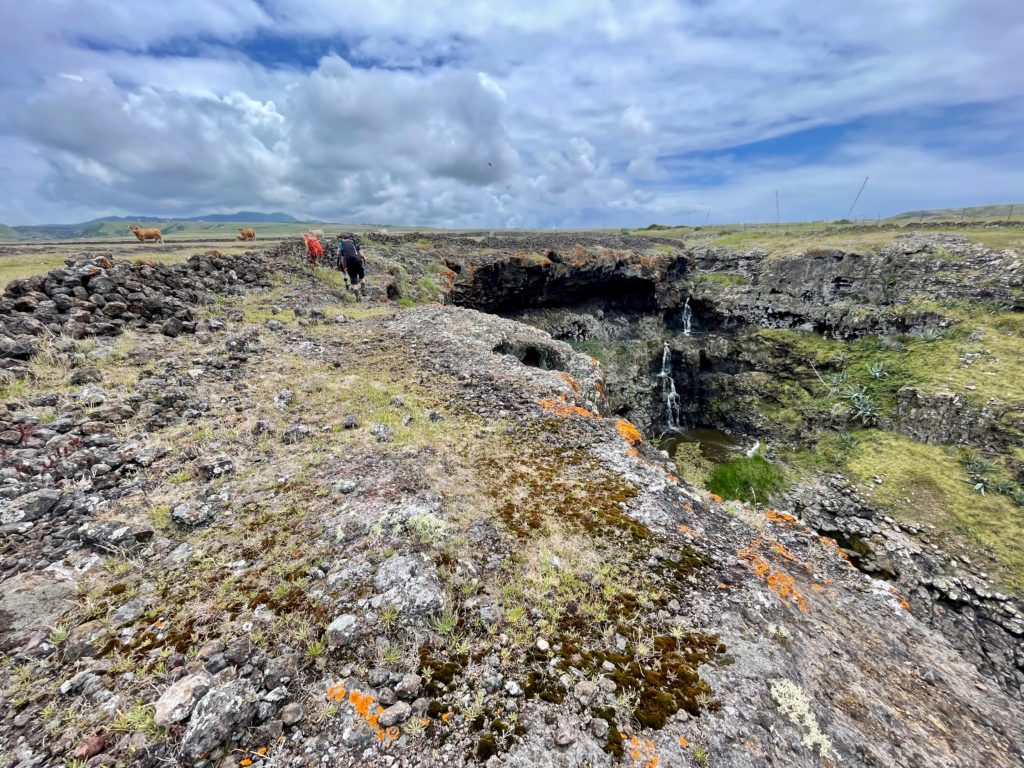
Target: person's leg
{"type": "Point", "coordinates": [352, 267]}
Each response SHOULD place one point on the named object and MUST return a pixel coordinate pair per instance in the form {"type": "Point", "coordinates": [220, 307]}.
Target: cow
{"type": "Point", "coordinates": [246, 234]}
{"type": "Point", "coordinates": [146, 234]}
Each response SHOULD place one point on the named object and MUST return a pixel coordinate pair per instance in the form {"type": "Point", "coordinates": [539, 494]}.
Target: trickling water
{"type": "Point", "coordinates": [687, 316]}
{"type": "Point", "coordinates": [668, 389]}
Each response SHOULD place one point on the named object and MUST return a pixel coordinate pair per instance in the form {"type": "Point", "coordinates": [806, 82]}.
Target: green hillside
{"type": "Point", "coordinates": [975, 213]}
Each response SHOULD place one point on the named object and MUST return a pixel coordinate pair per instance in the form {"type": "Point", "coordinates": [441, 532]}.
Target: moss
{"type": "Point", "coordinates": [751, 479]}
{"type": "Point", "coordinates": [486, 747]}
{"type": "Point", "coordinates": [613, 744]}
{"type": "Point", "coordinates": [929, 484]}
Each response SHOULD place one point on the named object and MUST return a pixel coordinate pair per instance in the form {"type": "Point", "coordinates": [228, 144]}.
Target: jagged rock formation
{"type": "Point", "coordinates": [314, 531]}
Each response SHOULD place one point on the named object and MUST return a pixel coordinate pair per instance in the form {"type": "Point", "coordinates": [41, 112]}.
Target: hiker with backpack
{"type": "Point", "coordinates": [350, 259]}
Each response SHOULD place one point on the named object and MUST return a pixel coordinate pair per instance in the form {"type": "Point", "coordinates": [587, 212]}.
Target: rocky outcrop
{"type": "Point", "coordinates": [618, 279]}
{"type": "Point", "coordinates": [848, 294]}
{"type": "Point", "coordinates": [986, 626]}
{"type": "Point", "coordinates": [96, 296]}
{"type": "Point", "coordinates": [948, 418]}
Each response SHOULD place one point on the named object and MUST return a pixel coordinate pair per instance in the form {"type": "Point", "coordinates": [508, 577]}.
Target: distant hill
{"type": "Point", "coordinates": [972, 213]}
{"type": "Point", "coordinates": [277, 216]}
{"type": "Point", "coordinates": [114, 227]}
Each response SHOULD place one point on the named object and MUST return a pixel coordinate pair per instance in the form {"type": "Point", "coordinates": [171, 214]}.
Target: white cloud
{"type": "Point", "coordinates": [547, 114]}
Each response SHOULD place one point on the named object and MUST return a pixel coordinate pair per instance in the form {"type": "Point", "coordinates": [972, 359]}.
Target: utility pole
{"type": "Point", "coordinates": [962, 212]}
{"type": "Point", "coordinates": [1010, 217]}
{"type": "Point", "coordinates": [776, 208]}
{"type": "Point", "coordinates": [708, 217]}
{"type": "Point", "coordinates": [854, 204]}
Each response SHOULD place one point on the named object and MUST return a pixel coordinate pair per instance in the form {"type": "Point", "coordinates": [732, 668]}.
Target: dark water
{"type": "Point", "coordinates": [716, 445]}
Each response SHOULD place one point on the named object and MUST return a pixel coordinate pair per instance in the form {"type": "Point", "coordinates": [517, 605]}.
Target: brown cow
{"type": "Point", "coordinates": [146, 234]}
{"type": "Point", "coordinates": [246, 234]}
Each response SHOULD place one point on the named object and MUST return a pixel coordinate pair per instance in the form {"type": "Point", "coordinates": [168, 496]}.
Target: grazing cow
{"type": "Point", "coordinates": [213, 253]}
{"type": "Point", "coordinates": [247, 234]}
{"type": "Point", "coordinates": [146, 234]}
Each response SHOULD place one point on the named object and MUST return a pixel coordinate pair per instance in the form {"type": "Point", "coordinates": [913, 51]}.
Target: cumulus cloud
{"type": "Point", "coordinates": [562, 113]}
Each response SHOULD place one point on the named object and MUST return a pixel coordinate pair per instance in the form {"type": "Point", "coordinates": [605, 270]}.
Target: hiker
{"type": "Point", "coordinates": [313, 249]}
{"type": "Point", "coordinates": [350, 258]}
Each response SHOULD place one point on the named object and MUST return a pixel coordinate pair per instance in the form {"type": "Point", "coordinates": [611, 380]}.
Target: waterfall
{"type": "Point", "coordinates": [668, 387]}
{"type": "Point", "coordinates": [687, 315]}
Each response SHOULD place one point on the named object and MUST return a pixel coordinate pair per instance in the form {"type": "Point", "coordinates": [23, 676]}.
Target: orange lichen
{"type": "Point", "coordinates": [903, 601]}
{"type": "Point", "coordinates": [716, 497]}
{"type": "Point", "coordinates": [262, 751]}
{"type": "Point", "coordinates": [573, 384]}
{"type": "Point", "coordinates": [834, 546]}
{"type": "Point", "coordinates": [782, 518]}
{"type": "Point", "coordinates": [366, 707]}
{"type": "Point", "coordinates": [446, 716]}
{"type": "Point", "coordinates": [336, 692]}
{"type": "Point", "coordinates": [644, 753]}
{"type": "Point", "coordinates": [778, 581]}
{"type": "Point", "coordinates": [629, 432]}
{"type": "Point", "coordinates": [244, 762]}
{"type": "Point", "coordinates": [565, 409]}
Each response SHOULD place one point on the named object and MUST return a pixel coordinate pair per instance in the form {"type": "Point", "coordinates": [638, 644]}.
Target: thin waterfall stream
{"type": "Point", "coordinates": [673, 403]}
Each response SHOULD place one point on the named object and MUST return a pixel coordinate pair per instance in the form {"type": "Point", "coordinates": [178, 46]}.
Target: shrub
{"type": "Point", "coordinates": [747, 479]}
{"type": "Point", "coordinates": [691, 464]}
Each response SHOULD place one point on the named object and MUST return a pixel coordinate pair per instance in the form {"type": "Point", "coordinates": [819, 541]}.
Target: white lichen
{"type": "Point", "coordinates": [796, 707]}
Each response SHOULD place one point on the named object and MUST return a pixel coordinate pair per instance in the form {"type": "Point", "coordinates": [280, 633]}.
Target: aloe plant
{"type": "Point", "coordinates": [877, 370]}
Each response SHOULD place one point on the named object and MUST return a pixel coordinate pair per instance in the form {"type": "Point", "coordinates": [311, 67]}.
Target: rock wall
{"type": "Point", "coordinates": [95, 296]}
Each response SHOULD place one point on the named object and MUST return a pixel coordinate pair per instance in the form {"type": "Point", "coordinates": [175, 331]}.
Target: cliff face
{"type": "Point", "coordinates": [379, 536]}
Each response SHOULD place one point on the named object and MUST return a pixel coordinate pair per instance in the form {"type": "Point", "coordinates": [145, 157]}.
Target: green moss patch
{"type": "Point", "coordinates": [930, 484]}
{"type": "Point", "coordinates": [750, 479]}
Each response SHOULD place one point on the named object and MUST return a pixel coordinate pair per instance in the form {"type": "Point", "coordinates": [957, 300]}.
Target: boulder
{"type": "Point", "coordinates": [178, 701]}
{"type": "Point", "coordinates": [219, 716]}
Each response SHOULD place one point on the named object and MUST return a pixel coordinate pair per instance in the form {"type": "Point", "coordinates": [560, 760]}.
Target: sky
{"type": "Point", "coordinates": [526, 114]}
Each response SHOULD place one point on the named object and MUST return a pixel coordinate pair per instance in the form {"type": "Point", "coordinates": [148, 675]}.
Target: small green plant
{"type": "Point", "coordinates": [415, 727]}
{"type": "Point", "coordinates": [388, 616]}
{"type": "Point", "coordinates": [160, 515]}
{"type": "Point", "coordinates": [316, 649]}
{"type": "Point", "coordinates": [700, 755]}
{"type": "Point", "coordinates": [179, 477]}
{"type": "Point", "coordinates": [838, 379]}
{"type": "Point", "coordinates": [445, 623]}
{"type": "Point", "coordinates": [854, 392]}
{"type": "Point", "coordinates": [139, 718]}
{"type": "Point", "coordinates": [475, 708]}
{"type": "Point", "coordinates": [390, 654]}
{"type": "Point", "coordinates": [877, 370]}
{"type": "Point", "coordinates": [692, 465]}
{"type": "Point", "coordinates": [865, 410]}
{"type": "Point", "coordinates": [1003, 486]}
